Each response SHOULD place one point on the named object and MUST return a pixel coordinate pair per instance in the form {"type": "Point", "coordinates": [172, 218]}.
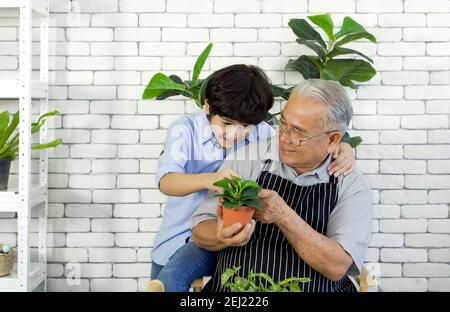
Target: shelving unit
{"type": "Point", "coordinates": [27, 196]}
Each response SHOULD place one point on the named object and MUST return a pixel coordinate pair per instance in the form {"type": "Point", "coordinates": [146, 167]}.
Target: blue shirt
{"type": "Point", "coordinates": [191, 147]}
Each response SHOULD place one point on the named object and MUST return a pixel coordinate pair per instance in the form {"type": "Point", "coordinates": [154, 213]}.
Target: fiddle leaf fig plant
{"type": "Point", "coordinates": [254, 282]}
{"type": "Point", "coordinates": [238, 192]}
{"type": "Point", "coordinates": [162, 87]}
{"type": "Point", "coordinates": [327, 63]}
{"type": "Point", "coordinates": [9, 146]}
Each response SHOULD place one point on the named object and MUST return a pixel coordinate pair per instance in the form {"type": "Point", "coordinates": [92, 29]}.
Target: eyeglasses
{"type": "Point", "coordinates": [295, 138]}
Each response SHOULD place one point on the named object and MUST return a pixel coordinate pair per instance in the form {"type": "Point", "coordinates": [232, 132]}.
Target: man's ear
{"type": "Point", "coordinates": [206, 107]}
{"type": "Point", "coordinates": [335, 138]}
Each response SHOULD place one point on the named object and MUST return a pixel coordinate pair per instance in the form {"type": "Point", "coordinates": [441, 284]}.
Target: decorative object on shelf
{"type": "Point", "coordinates": [239, 198]}
{"type": "Point", "coordinates": [9, 147]}
{"type": "Point", "coordinates": [7, 256]}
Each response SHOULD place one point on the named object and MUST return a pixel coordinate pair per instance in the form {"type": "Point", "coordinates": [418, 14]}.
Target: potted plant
{"type": "Point", "coordinates": [254, 282]}
{"type": "Point", "coordinates": [239, 198]}
{"type": "Point", "coordinates": [9, 147]}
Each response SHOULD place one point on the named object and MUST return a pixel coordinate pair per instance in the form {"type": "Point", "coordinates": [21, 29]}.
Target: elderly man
{"type": "Point", "coordinates": [312, 224]}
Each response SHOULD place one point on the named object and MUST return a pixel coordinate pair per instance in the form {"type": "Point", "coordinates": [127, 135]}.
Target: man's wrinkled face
{"type": "Point", "coordinates": [303, 118]}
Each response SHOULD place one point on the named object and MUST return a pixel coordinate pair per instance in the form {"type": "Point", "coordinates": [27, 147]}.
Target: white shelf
{"type": "Point", "coordinates": [9, 8]}
{"type": "Point", "coordinates": [10, 283]}
{"type": "Point", "coordinates": [10, 201]}
{"type": "Point", "coordinates": [11, 89]}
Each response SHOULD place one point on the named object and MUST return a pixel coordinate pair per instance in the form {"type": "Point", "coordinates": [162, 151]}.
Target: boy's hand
{"type": "Point", "coordinates": [344, 160]}
{"type": "Point", "coordinates": [234, 235]}
{"type": "Point", "coordinates": [216, 176]}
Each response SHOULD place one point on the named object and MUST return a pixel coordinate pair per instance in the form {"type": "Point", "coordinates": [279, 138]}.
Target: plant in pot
{"type": "Point", "coordinates": [9, 146]}
{"type": "Point", "coordinates": [259, 282]}
{"type": "Point", "coordinates": [239, 200]}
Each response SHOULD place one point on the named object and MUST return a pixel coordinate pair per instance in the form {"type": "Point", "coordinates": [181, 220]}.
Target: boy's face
{"type": "Point", "coordinates": [227, 132]}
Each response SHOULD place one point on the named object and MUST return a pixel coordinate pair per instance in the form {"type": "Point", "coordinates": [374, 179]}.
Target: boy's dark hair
{"type": "Point", "coordinates": [239, 92]}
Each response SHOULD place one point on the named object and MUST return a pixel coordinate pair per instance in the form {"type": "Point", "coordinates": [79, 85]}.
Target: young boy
{"type": "Point", "coordinates": [238, 98]}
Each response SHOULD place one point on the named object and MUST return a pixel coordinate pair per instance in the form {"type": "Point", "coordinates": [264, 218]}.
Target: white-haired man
{"type": "Point", "coordinates": [312, 225]}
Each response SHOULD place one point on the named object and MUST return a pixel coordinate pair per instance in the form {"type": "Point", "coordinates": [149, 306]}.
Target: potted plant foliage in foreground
{"type": "Point", "coordinates": [9, 146]}
{"type": "Point", "coordinates": [259, 282]}
{"type": "Point", "coordinates": [239, 200]}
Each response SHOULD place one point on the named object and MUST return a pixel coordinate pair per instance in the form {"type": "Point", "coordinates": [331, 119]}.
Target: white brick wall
{"type": "Point", "coordinates": [105, 208]}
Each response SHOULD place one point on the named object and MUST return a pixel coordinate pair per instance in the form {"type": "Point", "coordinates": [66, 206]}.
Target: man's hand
{"type": "Point", "coordinates": [274, 207]}
{"type": "Point", "coordinates": [233, 235]}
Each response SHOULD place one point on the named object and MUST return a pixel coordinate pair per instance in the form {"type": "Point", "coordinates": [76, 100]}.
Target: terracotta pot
{"type": "Point", "coordinates": [241, 215]}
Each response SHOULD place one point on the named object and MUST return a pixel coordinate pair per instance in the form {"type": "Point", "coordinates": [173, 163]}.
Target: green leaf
{"type": "Point", "coordinates": [355, 37]}
{"type": "Point", "coordinates": [229, 272]}
{"type": "Point", "coordinates": [355, 141]}
{"type": "Point", "coordinates": [350, 26]}
{"type": "Point", "coordinates": [222, 183]}
{"type": "Point", "coordinates": [4, 120]}
{"type": "Point", "coordinates": [342, 51]}
{"type": "Point", "coordinates": [325, 22]}
{"type": "Point", "coordinates": [6, 132]}
{"type": "Point", "coordinates": [53, 143]}
{"type": "Point", "coordinates": [321, 52]}
{"type": "Point", "coordinates": [305, 31]}
{"type": "Point", "coordinates": [201, 93]}
{"type": "Point", "coordinates": [344, 71]}
{"type": "Point", "coordinates": [280, 92]}
{"type": "Point", "coordinates": [229, 204]}
{"type": "Point", "coordinates": [306, 66]}
{"type": "Point", "coordinates": [159, 84]}
{"type": "Point", "coordinates": [200, 62]}
{"type": "Point", "coordinates": [255, 203]}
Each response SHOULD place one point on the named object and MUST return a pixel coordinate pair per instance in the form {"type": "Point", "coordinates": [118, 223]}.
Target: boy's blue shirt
{"type": "Point", "coordinates": [190, 148]}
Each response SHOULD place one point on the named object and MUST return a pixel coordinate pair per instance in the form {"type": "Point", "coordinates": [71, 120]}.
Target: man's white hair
{"type": "Point", "coordinates": [332, 94]}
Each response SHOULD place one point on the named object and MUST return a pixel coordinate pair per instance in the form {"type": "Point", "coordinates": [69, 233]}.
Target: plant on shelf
{"type": "Point", "coordinates": [259, 282]}
{"type": "Point", "coordinates": [9, 146]}
{"type": "Point", "coordinates": [239, 198]}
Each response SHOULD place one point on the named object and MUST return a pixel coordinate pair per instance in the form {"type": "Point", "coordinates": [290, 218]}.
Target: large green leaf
{"type": "Point", "coordinates": [355, 141]}
{"type": "Point", "coordinates": [4, 121]}
{"type": "Point", "coordinates": [159, 84]}
{"type": "Point", "coordinates": [201, 93]}
{"type": "Point", "coordinates": [6, 132]}
{"type": "Point", "coordinates": [342, 51]}
{"type": "Point", "coordinates": [350, 26]}
{"type": "Point", "coordinates": [321, 52]}
{"type": "Point", "coordinates": [325, 22]}
{"type": "Point", "coordinates": [279, 92]}
{"type": "Point", "coordinates": [352, 31]}
{"type": "Point", "coordinates": [347, 70]}
{"type": "Point", "coordinates": [355, 37]}
{"type": "Point", "coordinates": [305, 31]}
{"type": "Point", "coordinates": [53, 143]}
{"type": "Point", "coordinates": [306, 66]}
{"type": "Point", "coordinates": [200, 62]}
{"type": "Point", "coordinates": [255, 203]}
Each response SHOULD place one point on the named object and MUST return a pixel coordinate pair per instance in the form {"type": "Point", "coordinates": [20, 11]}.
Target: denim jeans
{"type": "Point", "coordinates": [186, 265]}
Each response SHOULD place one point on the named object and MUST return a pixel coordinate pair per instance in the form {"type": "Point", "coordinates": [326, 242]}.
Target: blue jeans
{"type": "Point", "coordinates": [186, 265]}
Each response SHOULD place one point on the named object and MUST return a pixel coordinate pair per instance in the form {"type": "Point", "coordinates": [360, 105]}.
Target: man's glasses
{"type": "Point", "coordinates": [294, 137]}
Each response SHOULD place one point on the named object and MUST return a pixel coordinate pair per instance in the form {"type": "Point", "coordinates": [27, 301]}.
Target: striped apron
{"type": "Point", "coordinates": [268, 251]}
